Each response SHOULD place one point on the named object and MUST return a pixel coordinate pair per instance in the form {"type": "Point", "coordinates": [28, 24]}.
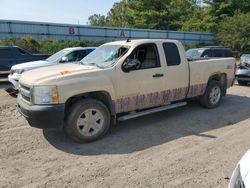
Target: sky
{"type": "Point", "coordinates": [57, 11]}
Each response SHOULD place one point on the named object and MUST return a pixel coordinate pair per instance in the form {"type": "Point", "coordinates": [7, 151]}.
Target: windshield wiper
{"type": "Point", "coordinates": [91, 64]}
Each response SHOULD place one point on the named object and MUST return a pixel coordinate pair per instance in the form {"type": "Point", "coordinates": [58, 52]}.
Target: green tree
{"type": "Point", "coordinates": [45, 46]}
{"type": "Point", "coordinates": [152, 14]}
{"type": "Point", "coordinates": [218, 10]}
{"type": "Point", "coordinates": [119, 15]}
{"type": "Point", "coordinates": [200, 20]}
{"type": "Point", "coordinates": [98, 20]}
{"type": "Point", "coordinates": [28, 43]}
{"type": "Point", "coordinates": [234, 32]}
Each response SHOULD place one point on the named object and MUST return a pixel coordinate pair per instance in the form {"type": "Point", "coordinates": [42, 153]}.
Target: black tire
{"type": "Point", "coordinates": [12, 92]}
{"type": "Point", "coordinates": [76, 111]}
{"type": "Point", "coordinates": [242, 83]}
{"type": "Point", "coordinates": [208, 102]}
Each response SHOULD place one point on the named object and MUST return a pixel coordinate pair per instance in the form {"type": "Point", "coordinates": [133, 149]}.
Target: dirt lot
{"type": "Point", "coordinates": [185, 147]}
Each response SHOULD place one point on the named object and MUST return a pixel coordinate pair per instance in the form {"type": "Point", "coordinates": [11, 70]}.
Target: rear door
{"type": "Point", "coordinates": [177, 73]}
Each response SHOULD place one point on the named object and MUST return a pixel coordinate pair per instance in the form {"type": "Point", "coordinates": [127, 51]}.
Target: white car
{"type": "Point", "coordinates": [241, 174]}
{"type": "Point", "coordinates": [66, 55]}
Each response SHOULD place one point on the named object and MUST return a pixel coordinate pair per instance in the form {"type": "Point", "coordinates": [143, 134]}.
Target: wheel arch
{"type": "Point", "coordinates": [222, 78]}
{"type": "Point", "coordinates": [102, 96]}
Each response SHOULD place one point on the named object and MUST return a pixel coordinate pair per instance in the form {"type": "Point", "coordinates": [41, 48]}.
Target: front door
{"type": "Point", "coordinates": [140, 87]}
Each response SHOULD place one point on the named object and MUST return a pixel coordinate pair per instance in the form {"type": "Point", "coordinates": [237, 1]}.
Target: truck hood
{"type": "Point", "coordinates": [31, 65]}
{"type": "Point", "coordinates": [55, 72]}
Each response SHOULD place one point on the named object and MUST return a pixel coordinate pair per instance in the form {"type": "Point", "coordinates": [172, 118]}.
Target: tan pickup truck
{"type": "Point", "coordinates": [119, 81]}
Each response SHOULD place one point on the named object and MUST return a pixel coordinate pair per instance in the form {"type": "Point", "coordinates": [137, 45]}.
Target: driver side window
{"type": "Point", "coordinates": [76, 55]}
{"type": "Point", "coordinates": [144, 57]}
{"type": "Point", "coordinates": [71, 56]}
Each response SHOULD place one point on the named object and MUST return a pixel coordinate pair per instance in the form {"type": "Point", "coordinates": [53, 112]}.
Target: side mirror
{"type": "Point", "coordinates": [131, 64]}
{"type": "Point", "coordinates": [64, 59]}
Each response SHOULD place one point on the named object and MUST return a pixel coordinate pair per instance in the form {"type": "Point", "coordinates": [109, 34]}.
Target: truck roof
{"type": "Point", "coordinates": [9, 47]}
{"type": "Point", "coordinates": [80, 48]}
{"type": "Point", "coordinates": [214, 47]}
{"type": "Point", "coordinates": [136, 41]}
{"type": "Point", "coordinates": [71, 48]}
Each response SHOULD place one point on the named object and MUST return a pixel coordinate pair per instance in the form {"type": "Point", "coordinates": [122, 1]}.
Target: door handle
{"type": "Point", "coordinates": [158, 75]}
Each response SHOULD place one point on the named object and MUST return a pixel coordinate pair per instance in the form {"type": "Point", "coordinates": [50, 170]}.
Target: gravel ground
{"type": "Point", "coordinates": [186, 147]}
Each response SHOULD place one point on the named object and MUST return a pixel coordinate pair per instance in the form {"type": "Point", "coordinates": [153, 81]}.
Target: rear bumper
{"type": "Point", "coordinates": [42, 116]}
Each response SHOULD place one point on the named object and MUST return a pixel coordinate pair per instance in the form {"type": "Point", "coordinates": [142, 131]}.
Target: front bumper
{"type": "Point", "coordinates": [42, 116]}
{"type": "Point", "coordinates": [14, 79]}
{"type": "Point", "coordinates": [243, 75]}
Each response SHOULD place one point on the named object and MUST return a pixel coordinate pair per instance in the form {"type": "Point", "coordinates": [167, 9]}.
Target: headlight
{"type": "Point", "coordinates": [19, 71]}
{"type": "Point", "coordinates": [12, 71]}
{"type": "Point", "coordinates": [236, 180]}
{"type": "Point", "coordinates": [45, 95]}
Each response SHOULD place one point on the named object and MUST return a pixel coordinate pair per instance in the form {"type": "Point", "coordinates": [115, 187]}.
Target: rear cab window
{"type": "Point", "coordinates": [172, 54]}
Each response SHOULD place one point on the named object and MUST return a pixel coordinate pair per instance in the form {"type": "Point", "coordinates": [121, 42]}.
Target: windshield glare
{"type": "Point", "coordinates": [246, 57]}
{"type": "Point", "coordinates": [104, 56]}
{"type": "Point", "coordinates": [57, 55]}
{"type": "Point", "coordinates": [194, 52]}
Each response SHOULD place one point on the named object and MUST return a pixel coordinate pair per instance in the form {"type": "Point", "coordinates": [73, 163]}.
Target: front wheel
{"type": "Point", "coordinates": [88, 120]}
{"type": "Point", "coordinates": [213, 95]}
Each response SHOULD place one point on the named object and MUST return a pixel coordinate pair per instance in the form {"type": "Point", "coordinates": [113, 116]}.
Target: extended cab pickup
{"type": "Point", "coordinates": [118, 81]}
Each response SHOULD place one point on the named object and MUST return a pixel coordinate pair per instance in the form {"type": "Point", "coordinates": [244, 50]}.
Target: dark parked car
{"type": "Point", "coordinates": [243, 71]}
{"type": "Point", "coordinates": [12, 55]}
{"type": "Point", "coordinates": [209, 51]}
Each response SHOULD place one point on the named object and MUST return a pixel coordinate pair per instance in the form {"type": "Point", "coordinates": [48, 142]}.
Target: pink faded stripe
{"type": "Point", "coordinates": [138, 102]}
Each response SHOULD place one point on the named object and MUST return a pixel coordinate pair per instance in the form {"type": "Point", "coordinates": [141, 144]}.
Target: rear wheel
{"type": "Point", "coordinates": [88, 120]}
{"type": "Point", "coordinates": [213, 95]}
{"type": "Point", "coordinates": [242, 83]}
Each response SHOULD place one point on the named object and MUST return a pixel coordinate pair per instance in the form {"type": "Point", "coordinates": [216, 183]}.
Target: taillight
{"type": "Point", "coordinates": [235, 68]}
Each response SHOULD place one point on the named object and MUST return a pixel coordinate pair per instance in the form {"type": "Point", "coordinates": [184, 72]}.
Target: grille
{"type": "Point", "coordinates": [25, 92]}
{"type": "Point", "coordinates": [247, 64]}
{"type": "Point", "coordinates": [243, 76]}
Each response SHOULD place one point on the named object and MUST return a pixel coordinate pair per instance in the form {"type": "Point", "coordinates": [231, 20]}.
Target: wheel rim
{"type": "Point", "coordinates": [215, 95]}
{"type": "Point", "coordinates": [90, 122]}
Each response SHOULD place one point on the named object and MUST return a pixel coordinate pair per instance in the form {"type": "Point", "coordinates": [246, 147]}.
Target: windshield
{"type": "Point", "coordinates": [194, 53]}
{"type": "Point", "coordinates": [105, 56]}
{"type": "Point", "coordinates": [246, 57]}
{"type": "Point", "coordinates": [57, 55]}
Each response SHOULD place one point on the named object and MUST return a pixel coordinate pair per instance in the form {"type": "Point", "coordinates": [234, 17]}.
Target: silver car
{"type": "Point", "coordinates": [241, 174]}
{"type": "Point", "coordinates": [243, 71]}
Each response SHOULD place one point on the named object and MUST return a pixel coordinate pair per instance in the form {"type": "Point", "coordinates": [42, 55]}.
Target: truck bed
{"type": "Point", "coordinates": [199, 73]}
